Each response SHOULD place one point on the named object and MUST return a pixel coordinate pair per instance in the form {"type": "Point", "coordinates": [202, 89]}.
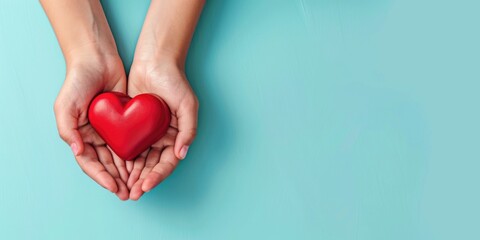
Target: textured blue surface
{"type": "Point", "coordinates": [333, 119]}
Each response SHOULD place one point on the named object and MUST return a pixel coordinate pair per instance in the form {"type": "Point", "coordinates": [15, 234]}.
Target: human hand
{"type": "Point", "coordinates": [79, 25]}
{"type": "Point", "coordinates": [89, 74]}
{"type": "Point", "coordinates": [93, 66]}
{"type": "Point", "coordinates": [169, 82]}
{"type": "Point", "coordinates": [158, 67]}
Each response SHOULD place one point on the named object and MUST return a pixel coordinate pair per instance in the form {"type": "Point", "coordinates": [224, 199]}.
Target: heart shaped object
{"type": "Point", "coordinates": [129, 126]}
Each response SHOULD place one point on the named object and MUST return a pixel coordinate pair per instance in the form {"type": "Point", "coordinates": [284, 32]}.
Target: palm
{"type": "Point", "coordinates": [155, 164]}
{"type": "Point", "coordinates": [84, 84]}
{"type": "Point", "coordinates": [158, 162]}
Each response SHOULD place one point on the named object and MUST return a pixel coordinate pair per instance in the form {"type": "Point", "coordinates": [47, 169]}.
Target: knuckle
{"type": "Point", "coordinates": [196, 103]}
{"type": "Point", "coordinates": [63, 135]}
{"type": "Point", "coordinates": [81, 164]}
{"type": "Point", "coordinates": [192, 102]}
{"type": "Point", "coordinates": [56, 106]}
{"type": "Point", "coordinates": [192, 132]}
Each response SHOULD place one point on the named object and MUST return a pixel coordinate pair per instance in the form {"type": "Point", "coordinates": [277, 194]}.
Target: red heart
{"type": "Point", "coordinates": [129, 126]}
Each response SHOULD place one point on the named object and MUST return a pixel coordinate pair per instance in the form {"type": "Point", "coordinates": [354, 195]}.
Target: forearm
{"type": "Point", "coordinates": [168, 30]}
{"type": "Point", "coordinates": [81, 27]}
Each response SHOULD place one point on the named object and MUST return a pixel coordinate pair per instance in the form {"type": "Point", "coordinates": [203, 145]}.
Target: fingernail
{"type": "Point", "coordinates": [74, 148]}
{"type": "Point", "coordinates": [183, 152]}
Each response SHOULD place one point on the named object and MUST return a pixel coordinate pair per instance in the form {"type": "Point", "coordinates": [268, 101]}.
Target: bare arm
{"type": "Point", "coordinates": [168, 30]}
{"type": "Point", "coordinates": [93, 66]}
{"type": "Point", "coordinates": [80, 26]}
{"type": "Point", "coordinates": [158, 67]}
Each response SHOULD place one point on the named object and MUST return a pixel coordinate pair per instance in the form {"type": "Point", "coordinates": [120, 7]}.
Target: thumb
{"type": "Point", "coordinates": [67, 124]}
{"type": "Point", "coordinates": [187, 116]}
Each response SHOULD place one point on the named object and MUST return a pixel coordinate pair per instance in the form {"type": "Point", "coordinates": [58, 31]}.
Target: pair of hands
{"type": "Point", "coordinates": [94, 66]}
{"type": "Point", "coordinates": [93, 73]}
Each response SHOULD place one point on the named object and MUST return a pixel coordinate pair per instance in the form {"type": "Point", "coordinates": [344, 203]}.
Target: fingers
{"type": "Point", "coordinates": [88, 162]}
{"type": "Point", "coordinates": [166, 165]}
{"type": "Point", "coordinates": [187, 116]}
{"type": "Point", "coordinates": [122, 192]}
{"type": "Point", "coordinates": [129, 166]}
{"type": "Point", "coordinates": [67, 124]}
{"type": "Point", "coordinates": [90, 136]}
{"type": "Point", "coordinates": [145, 163]}
{"type": "Point", "coordinates": [106, 158]}
{"type": "Point", "coordinates": [137, 167]}
{"type": "Point", "coordinates": [151, 160]}
{"type": "Point", "coordinates": [121, 166]}
{"type": "Point", "coordinates": [136, 190]}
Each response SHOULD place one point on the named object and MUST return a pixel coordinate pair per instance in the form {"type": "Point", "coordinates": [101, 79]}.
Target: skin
{"type": "Point", "coordinates": [94, 66]}
{"type": "Point", "coordinates": [158, 67]}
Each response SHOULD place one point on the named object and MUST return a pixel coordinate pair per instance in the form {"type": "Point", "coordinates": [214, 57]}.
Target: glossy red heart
{"type": "Point", "coordinates": [129, 125]}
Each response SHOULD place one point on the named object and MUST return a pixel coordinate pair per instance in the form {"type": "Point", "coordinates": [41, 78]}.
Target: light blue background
{"type": "Point", "coordinates": [333, 119]}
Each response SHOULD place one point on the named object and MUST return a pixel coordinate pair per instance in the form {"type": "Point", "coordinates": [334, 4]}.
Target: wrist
{"type": "Point", "coordinates": [91, 52]}
{"type": "Point", "coordinates": [166, 59]}
{"type": "Point", "coordinates": [155, 50]}
{"type": "Point", "coordinates": [99, 66]}
{"type": "Point", "coordinates": [154, 69]}
{"type": "Point", "coordinates": [166, 34]}
{"type": "Point", "coordinates": [80, 27]}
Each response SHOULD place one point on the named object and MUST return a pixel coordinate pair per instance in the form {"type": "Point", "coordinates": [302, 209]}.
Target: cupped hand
{"type": "Point", "coordinates": [169, 82]}
{"type": "Point", "coordinates": [87, 76]}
